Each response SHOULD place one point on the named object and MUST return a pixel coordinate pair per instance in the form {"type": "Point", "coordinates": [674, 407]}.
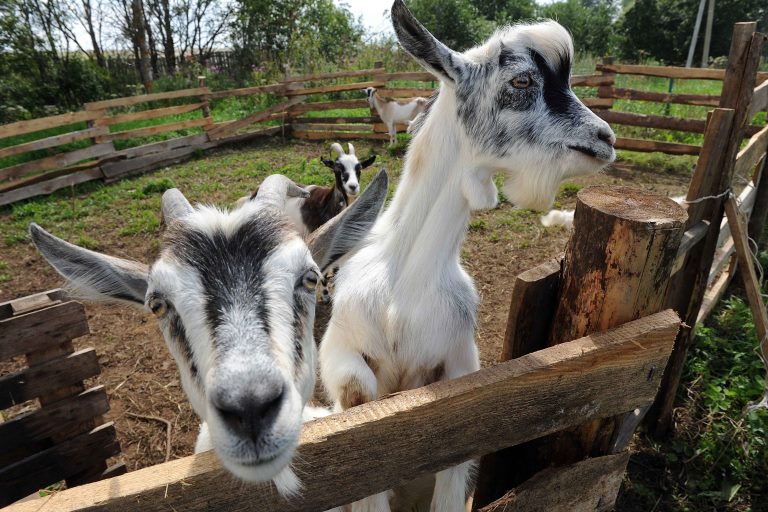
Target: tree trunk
{"type": "Point", "coordinates": [88, 11]}
{"type": "Point", "coordinates": [140, 43]}
{"type": "Point", "coordinates": [168, 47]}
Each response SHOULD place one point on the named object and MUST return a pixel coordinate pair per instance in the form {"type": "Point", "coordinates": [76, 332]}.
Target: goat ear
{"type": "Point", "coordinates": [92, 275]}
{"type": "Point", "coordinates": [368, 161]}
{"type": "Point", "coordinates": [334, 239]}
{"type": "Point", "coordinates": [327, 163]}
{"type": "Point", "coordinates": [436, 57]}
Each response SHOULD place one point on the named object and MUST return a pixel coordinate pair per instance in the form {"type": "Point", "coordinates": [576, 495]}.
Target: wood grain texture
{"type": "Point", "coordinates": [122, 168]}
{"type": "Point", "coordinates": [320, 106]}
{"type": "Point", "coordinates": [336, 74]}
{"type": "Point", "coordinates": [591, 80]}
{"type": "Point", "coordinates": [44, 123]}
{"type": "Point", "coordinates": [150, 114]}
{"type": "Point", "coordinates": [750, 156]}
{"type": "Point", "coordinates": [41, 329]}
{"type": "Point", "coordinates": [57, 463]}
{"type": "Point", "coordinates": [650, 121]}
{"type": "Point", "coordinates": [144, 98]}
{"type": "Point", "coordinates": [16, 306]}
{"type": "Point", "coordinates": [660, 97]}
{"type": "Point", "coordinates": [759, 215]}
{"type": "Point", "coordinates": [218, 132]}
{"type": "Point", "coordinates": [30, 383]}
{"type": "Point", "coordinates": [334, 88]}
{"type": "Point", "coordinates": [671, 71]}
{"type": "Point", "coordinates": [759, 100]}
{"type": "Point", "coordinates": [597, 102]}
{"type": "Point", "coordinates": [649, 146]}
{"type": "Point", "coordinates": [588, 486]}
{"type": "Point", "coordinates": [56, 161]}
{"type": "Point", "coordinates": [40, 187]}
{"type": "Point", "coordinates": [419, 431]}
{"type": "Point", "coordinates": [166, 145]}
{"type": "Point", "coordinates": [51, 142]}
{"type": "Point", "coordinates": [160, 128]}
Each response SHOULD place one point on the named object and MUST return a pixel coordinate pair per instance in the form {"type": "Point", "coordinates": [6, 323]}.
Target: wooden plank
{"type": "Point", "coordinates": [57, 463]}
{"type": "Point", "coordinates": [334, 88]}
{"type": "Point", "coordinates": [591, 80]}
{"type": "Point", "coordinates": [122, 168]}
{"type": "Point", "coordinates": [402, 92]}
{"type": "Point", "coordinates": [162, 128]}
{"type": "Point", "coordinates": [336, 74]}
{"type": "Point", "coordinates": [51, 185]}
{"type": "Point", "coordinates": [747, 271]}
{"type": "Point", "coordinates": [438, 426]}
{"type": "Point", "coordinates": [45, 123]}
{"type": "Point", "coordinates": [670, 148]}
{"type": "Point", "coordinates": [330, 127]}
{"type": "Point", "coordinates": [32, 382]}
{"type": "Point", "coordinates": [144, 98]}
{"type": "Point", "coordinates": [16, 306]}
{"type": "Point", "coordinates": [51, 142]}
{"type": "Point", "coordinates": [588, 486]}
{"type": "Point", "coordinates": [249, 91]}
{"type": "Point", "coordinates": [749, 157]}
{"type": "Point", "coordinates": [30, 303]}
{"type": "Point", "coordinates": [713, 295]}
{"type": "Point", "coordinates": [651, 121]}
{"type": "Point", "coordinates": [197, 139]}
{"type": "Point", "coordinates": [60, 160]}
{"type": "Point", "coordinates": [328, 105]}
{"type": "Point", "coordinates": [722, 258]}
{"type": "Point", "coordinates": [47, 421]}
{"type": "Point", "coordinates": [670, 72]}
{"type": "Point", "coordinates": [49, 175]}
{"type": "Point", "coordinates": [660, 97]}
{"type": "Point", "coordinates": [232, 128]}
{"type": "Point", "coordinates": [597, 102]}
{"type": "Point", "coordinates": [337, 120]}
{"type": "Point", "coordinates": [150, 114]}
{"type": "Point", "coordinates": [40, 329]}
{"type": "Point", "coordinates": [303, 135]}
{"type": "Point", "coordinates": [245, 137]}
{"type": "Point", "coordinates": [759, 100]}
{"type": "Point", "coordinates": [691, 238]}
{"type": "Point", "coordinates": [417, 76]}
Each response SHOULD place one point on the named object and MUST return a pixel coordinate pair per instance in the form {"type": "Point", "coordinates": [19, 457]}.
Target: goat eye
{"type": "Point", "coordinates": [310, 279]}
{"type": "Point", "coordinates": [359, 167]}
{"type": "Point", "coordinates": [521, 82]}
{"type": "Point", "coordinates": [158, 306]}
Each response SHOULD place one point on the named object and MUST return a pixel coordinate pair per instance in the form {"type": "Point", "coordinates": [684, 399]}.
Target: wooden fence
{"type": "Point", "coordinates": [300, 113]}
{"type": "Point", "coordinates": [65, 438]}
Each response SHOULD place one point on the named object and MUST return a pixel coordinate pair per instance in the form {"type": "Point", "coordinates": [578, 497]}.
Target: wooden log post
{"type": "Point", "coordinates": [205, 98]}
{"type": "Point", "coordinates": [616, 268]}
{"type": "Point", "coordinates": [712, 177]}
{"type": "Point", "coordinates": [606, 91]}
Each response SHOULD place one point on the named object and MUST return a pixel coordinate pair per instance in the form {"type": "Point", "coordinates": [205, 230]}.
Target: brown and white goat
{"type": "Point", "coordinates": [395, 111]}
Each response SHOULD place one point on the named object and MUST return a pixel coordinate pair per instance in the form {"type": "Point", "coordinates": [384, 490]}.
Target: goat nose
{"type": "Point", "coordinates": [248, 414]}
{"type": "Point", "coordinates": [606, 135]}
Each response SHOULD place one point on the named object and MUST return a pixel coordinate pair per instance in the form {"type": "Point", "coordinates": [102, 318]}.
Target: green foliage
{"type": "Point", "coordinates": [157, 186]}
{"type": "Point", "coordinates": [477, 225]}
{"type": "Point", "coordinates": [457, 23]}
{"type": "Point", "coordinates": [505, 11]}
{"type": "Point", "coordinates": [589, 21]}
{"type": "Point", "coordinates": [568, 190]}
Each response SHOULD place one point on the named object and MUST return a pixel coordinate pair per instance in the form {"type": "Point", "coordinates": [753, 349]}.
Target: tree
{"type": "Point", "coordinates": [457, 23]}
{"type": "Point", "coordinates": [506, 11]}
{"type": "Point", "coordinates": [589, 21]}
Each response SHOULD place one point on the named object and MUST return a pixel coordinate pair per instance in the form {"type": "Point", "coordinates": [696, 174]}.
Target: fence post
{"type": "Point", "coordinates": [206, 98]}
{"type": "Point", "coordinates": [606, 91]}
{"type": "Point", "coordinates": [616, 266]}
{"type": "Point", "coordinates": [712, 177]}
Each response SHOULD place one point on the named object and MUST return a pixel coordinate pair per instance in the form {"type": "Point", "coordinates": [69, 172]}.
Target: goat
{"type": "Point", "coordinates": [405, 311]}
{"type": "Point", "coordinates": [234, 296]}
{"type": "Point", "coordinates": [393, 111]}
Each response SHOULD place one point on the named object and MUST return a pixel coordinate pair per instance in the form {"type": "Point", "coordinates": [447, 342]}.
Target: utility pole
{"type": "Point", "coordinates": [696, 27]}
{"type": "Point", "coordinates": [708, 34]}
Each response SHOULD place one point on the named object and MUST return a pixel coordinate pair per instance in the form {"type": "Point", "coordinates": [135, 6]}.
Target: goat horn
{"type": "Point", "coordinates": [337, 148]}
{"type": "Point", "coordinates": [351, 149]}
{"type": "Point", "coordinates": [275, 189]}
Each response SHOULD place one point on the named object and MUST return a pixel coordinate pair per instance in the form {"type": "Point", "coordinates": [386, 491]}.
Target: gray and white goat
{"type": "Point", "coordinates": [234, 296]}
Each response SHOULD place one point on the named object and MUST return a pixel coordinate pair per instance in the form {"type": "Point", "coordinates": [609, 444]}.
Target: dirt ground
{"type": "Point", "coordinates": [140, 375]}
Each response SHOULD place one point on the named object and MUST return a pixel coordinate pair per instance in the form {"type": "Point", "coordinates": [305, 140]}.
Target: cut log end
{"type": "Point", "coordinates": [633, 205]}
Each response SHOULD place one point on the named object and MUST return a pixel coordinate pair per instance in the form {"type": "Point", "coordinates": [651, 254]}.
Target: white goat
{"type": "Point", "coordinates": [404, 310]}
{"type": "Point", "coordinates": [395, 111]}
{"type": "Point", "coordinates": [234, 295]}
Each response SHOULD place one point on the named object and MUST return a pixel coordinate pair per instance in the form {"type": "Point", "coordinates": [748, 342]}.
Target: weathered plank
{"type": "Point", "coordinates": [588, 486]}
{"type": "Point", "coordinates": [382, 128]}
{"type": "Point", "coordinates": [160, 128]}
{"type": "Point", "coordinates": [32, 382]}
{"type": "Point", "coordinates": [418, 76]}
{"type": "Point", "coordinates": [50, 420]}
{"type": "Point", "coordinates": [166, 145]}
{"type": "Point", "coordinates": [651, 121]}
{"type": "Point", "coordinates": [55, 161]}
{"type": "Point", "coordinates": [218, 132]}
{"type": "Point", "coordinates": [671, 72]}
{"type": "Point", "coordinates": [328, 105]}
{"type": "Point", "coordinates": [306, 135]}
{"type": "Point", "coordinates": [51, 142]}
{"type": "Point", "coordinates": [660, 97]}
{"type": "Point", "coordinates": [329, 127]}
{"type": "Point", "coordinates": [57, 463]}
{"type": "Point", "coordinates": [670, 148]}
{"type": "Point", "coordinates": [403, 92]}
{"type": "Point", "coordinates": [336, 74]}
{"type": "Point", "coordinates": [755, 149]}
{"type": "Point", "coordinates": [337, 120]}
{"type": "Point", "coordinates": [150, 114]}
{"type": "Point", "coordinates": [144, 98]}
{"type": "Point", "coordinates": [247, 136]}
{"type": "Point", "coordinates": [43, 328]}
{"type": "Point", "coordinates": [591, 80]}
{"type": "Point", "coordinates": [333, 88]}
{"type": "Point", "coordinates": [39, 188]}
{"type": "Point", "coordinates": [691, 238]}
{"type": "Point", "coordinates": [759, 100]}
{"type": "Point", "coordinates": [248, 91]}
{"type": "Point", "coordinates": [597, 102]}
{"type": "Point", "coordinates": [26, 304]}
{"type": "Point", "coordinates": [714, 293]}
{"type": "Point", "coordinates": [45, 123]}
{"type": "Point", "coordinates": [416, 432]}
{"type": "Point", "coordinates": [122, 168]}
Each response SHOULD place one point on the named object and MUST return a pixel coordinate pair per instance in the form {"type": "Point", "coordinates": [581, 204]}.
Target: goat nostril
{"type": "Point", "coordinates": [248, 416]}
{"type": "Point", "coordinates": [606, 136]}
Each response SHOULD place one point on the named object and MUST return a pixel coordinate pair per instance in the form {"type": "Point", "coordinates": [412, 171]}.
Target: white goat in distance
{"type": "Point", "coordinates": [395, 111]}
{"type": "Point", "coordinates": [405, 310]}
{"type": "Point", "coordinates": [234, 295]}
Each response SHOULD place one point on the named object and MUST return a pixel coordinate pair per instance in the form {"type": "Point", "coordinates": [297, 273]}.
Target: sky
{"type": "Point", "coordinates": [372, 12]}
